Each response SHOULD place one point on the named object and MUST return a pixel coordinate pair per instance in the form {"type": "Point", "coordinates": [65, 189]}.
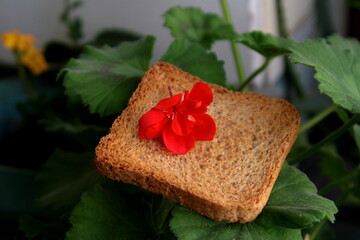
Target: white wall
{"type": "Point", "coordinates": [41, 18]}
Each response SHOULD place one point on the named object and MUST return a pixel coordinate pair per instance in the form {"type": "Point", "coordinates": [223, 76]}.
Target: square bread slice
{"type": "Point", "coordinates": [229, 178]}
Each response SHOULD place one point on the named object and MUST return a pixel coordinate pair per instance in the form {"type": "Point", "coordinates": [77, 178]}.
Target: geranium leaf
{"type": "Point", "coordinates": [188, 225]}
{"type": "Point", "coordinates": [332, 166]}
{"type": "Point", "coordinates": [64, 177]}
{"type": "Point", "coordinates": [356, 129]}
{"type": "Point", "coordinates": [106, 77]}
{"type": "Point", "coordinates": [325, 232]}
{"type": "Point", "coordinates": [266, 44]}
{"type": "Point", "coordinates": [194, 58]}
{"type": "Point", "coordinates": [107, 212]}
{"type": "Point", "coordinates": [337, 64]}
{"type": "Point", "coordinates": [85, 135]}
{"type": "Point", "coordinates": [293, 205]}
{"type": "Point", "coordinates": [194, 25]}
{"type": "Point", "coordinates": [294, 202]}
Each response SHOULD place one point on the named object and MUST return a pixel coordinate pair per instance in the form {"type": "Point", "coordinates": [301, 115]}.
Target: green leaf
{"type": "Point", "coordinates": [265, 44]}
{"type": "Point", "coordinates": [75, 26]}
{"type": "Point", "coordinates": [356, 129]}
{"type": "Point", "coordinates": [332, 166]}
{"type": "Point", "coordinates": [188, 225]}
{"type": "Point", "coordinates": [294, 202]}
{"type": "Point", "coordinates": [162, 214]}
{"type": "Point", "coordinates": [337, 64]}
{"type": "Point", "coordinates": [193, 58]}
{"type": "Point", "coordinates": [325, 232]}
{"type": "Point", "coordinates": [75, 5]}
{"type": "Point", "coordinates": [293, 205]}
{"type": "Point", "coordinates": [64, 177]}
{"type": "Point", "coordinates": [105, 212]}
{"type": "Point", "coordinates": [33, 227]}
{"type": "Point", "coordinates": [194, 25]}
{"type": "Point", "coordinates": [85, 135]}
{"type": "Point", "coordinates": [113, 37]}
{"type": "Point", "coordinates": [105, 78]}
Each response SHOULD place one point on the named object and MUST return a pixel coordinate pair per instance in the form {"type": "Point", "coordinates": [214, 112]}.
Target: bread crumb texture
{"type": "Point", "coordinates": [229, 178]}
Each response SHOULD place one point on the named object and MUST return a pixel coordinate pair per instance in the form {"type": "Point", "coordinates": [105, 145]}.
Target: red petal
{"type": "Point", "coordinates": [167, 103]}
{"type": "Point", "coordinates": [202, 92]}
{"type": "Point", "coordinates": [191, 106]}
{"type": "Point", "coordinates": [177, 144]}
{"type": "Point", "coordinates": [205, 127]}
{"type": "Point", "coordinates": [197, 100]}
{"type": "Point", "coordinates": [152, 123]}
{"type": "Point", "coordinates": [183, 124]}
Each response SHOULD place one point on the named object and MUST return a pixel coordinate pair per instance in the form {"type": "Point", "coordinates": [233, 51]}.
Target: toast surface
{"type": "Point", "coordinates": [229, 178]}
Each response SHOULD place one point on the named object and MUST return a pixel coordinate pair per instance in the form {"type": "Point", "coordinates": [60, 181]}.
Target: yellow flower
{"type": "Point", "coordinates": [17, 41]}
{"type": "Point", "coordinates": [34, 60]}
{"type": "Point", "coordinates": [24, 48]}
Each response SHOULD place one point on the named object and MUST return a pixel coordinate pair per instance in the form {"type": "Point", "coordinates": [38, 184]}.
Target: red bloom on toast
{"type": "Point", "coordinates": [180, 120]}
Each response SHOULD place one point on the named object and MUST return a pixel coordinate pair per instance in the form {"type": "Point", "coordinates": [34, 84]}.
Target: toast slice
{"type": "Point", "coordinates": [229, 178]}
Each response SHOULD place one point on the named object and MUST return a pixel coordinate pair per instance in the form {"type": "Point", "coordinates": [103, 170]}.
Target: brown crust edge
{"type": "Point", "coordinates": [184, 198]}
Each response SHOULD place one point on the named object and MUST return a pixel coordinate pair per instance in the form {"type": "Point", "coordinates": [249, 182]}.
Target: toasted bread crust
{"type": "Point", "coordinates": [229, 178]}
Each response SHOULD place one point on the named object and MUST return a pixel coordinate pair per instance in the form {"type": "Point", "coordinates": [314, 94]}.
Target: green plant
{"type": "Point", "coordinates": [74, 202]}
{"type": "Point", "coordinates": [74, 25]}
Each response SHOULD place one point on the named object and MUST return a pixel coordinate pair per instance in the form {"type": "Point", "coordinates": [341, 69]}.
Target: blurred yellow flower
{"type": "Point", "coordinates": [35, 61]}
{"type": "Point", "coordinates": [17, 41]}
{"type": "Point", "coordinates": [24, 47]}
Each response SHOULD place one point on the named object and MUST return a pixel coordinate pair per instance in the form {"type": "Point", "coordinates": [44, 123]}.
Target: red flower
{"type": "Point", "coordinates": [180, 120]}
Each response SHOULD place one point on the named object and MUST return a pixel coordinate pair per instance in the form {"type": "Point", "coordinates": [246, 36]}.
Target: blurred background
{"type": "Point", "coordinates": [304, 19]}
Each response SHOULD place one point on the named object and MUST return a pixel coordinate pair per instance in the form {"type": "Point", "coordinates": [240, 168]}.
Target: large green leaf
{"type": "Point", "coordinates": [266, 44]}
{"type": "Point", "coordinates": [106, 212]}
{"type": "Point", "coordinates": [293, 205]}
{"type": "Point", "coordinates": [194, 25]}
{"type": "Point", "coordinates": [188, 225]}
{"type": "Point", "coordinates": [106, 77]}
{"type": "Point", "coordinates": [337, 64]}
{"type": "Point", "coordinates": [294, 202]}
{"type": "Point", "coordinates": [194, 58]}
{"type": "Point", "coordinates": [64, 178]}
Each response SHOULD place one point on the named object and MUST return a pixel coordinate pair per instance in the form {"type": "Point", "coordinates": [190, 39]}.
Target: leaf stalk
{"type": "Point", "coordinates": [318, 118]}
{"type": "Point", "coordinates": [254, 74]}
{"type": "Point", "coordinates": [331, 137]}
{"type": "Point", "coordinates": [29, 88]}
{"type": "Point", "coordinates": [340, 181]}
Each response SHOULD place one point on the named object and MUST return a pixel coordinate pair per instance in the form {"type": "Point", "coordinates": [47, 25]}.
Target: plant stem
{"type": "Point", "coordinates": [336, 183]}
{"type": "Point", "coordinates": [234, 47]}
{"type": "Point", "coordinates": [281, 19]}
{"type": "Point", "coordinates": [318, 118]}
{"type": "Point", "coordinates": [331, 137]}
{"type": "Point", "coordinates": [340, 200]}
{"type": "Point", "coordinates": [254, 74]}
{"type": "Point", "coordinates": [317, 229]}
{"type": "Point", "coordinates": [29, 88]}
